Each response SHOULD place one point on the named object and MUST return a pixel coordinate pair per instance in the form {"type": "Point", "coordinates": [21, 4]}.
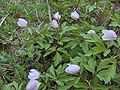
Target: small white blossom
{"type": "Point", "coordinates": [74, 15]}
{"type": "Point", "coordinates": [109, 35]}
{"type": "Point", "coordinates": [57, 16]}
{"type": "Point", "coordinates": [33, 74]}
{"type": "Point", "coordinates": [22, 22]}
{"type": "Point", "coordinates": [90, 32]}
{"type": "Point", "coordinates": [72, 69]}
{"type": "Point", "coordinates": [33, 85]}
{"type": "Point", "coordinates": [54, 24]}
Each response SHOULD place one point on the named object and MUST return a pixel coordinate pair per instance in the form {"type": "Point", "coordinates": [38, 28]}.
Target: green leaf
{"type": "Point", "coordinates": [106, 52]}
{"type": "Point", "coordinates": [49, 51]}
{"type": "Point", "coordinates": [47, 46]}
{"type": "Point", "coordinates": [107, 74]}
{"type": "Point", "coordinates": [75, 60]}
{"type": "Point", "coordinates": [114, 24]}
{"type": "Point", "coordinates": [60, 83]}
{"type": "Point", "coordinates": [89, 53]}
{"type": "Point", "coordinates": [51, 76]}
{"type": "Point", "coordinates": [84, 46]}
{"type": "Point", "coordinates": [118, 40]}
{"type": "Point", "coordinates": [57, 59]}
{"type": "Point", "coordinates": [7, 87]}
{"type": "Point", "coordinates": [60, 70]}
{"type": "Point", "coordinates": [115, 19]}
{"type": "Point", "coordinates": [71, 44]}
{"type": "Point", "coordinates": [103, 64]}
{"type": "Point", "coordinates": [52, 70]}
{"type": "Point", "coordinates": [30, 31]}
{"type": "Point", "coordinates": [1, 83]}
{"type": "Point", "coordinates": [20, 86]}
{"type": "Point", "coordinates": [65, 78]}
{"type": "Point", "coordinates": [95, 50]}
{"type": "Point", "coordinates": [100, 87]}
{"type": "Point", "coordinates": [81, 85]}
{"type": "Point", "coordinates": [90, 65]}
{"type": "Point", "coordinates": [97, 38]}
{"type": "Point", "coordinates": [117, 78]}
{"type": "Point", "coordinates": [67, 39]}
{"type": "Point", "coordinates": [63, 87]}
{"type": "Point", "coordinates": [62, 50]}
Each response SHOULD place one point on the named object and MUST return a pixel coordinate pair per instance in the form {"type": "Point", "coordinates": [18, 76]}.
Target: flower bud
{"type": "Point", "coordinates": [90, 32]}
{"type": "Point", "coordinates": [57, 16]}
{"type": "Point", "coordinates": [54, 24]}
{"type": "Point", "coordinates": [33, 74]}
{"type": "Point", "coordinates": [22, 22]}
{"type": "Point", "coordinates": [33, 85]}
{"type": "Point", "coordinates": [72, 69]}
{"type": "Point", "coordinates": [109, 35]}
{"type": "Point", "coordinates": [74, 15]}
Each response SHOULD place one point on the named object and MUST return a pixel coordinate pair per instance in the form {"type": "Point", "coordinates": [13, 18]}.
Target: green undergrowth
{"type": "Point", "coordinates": [49, 50]}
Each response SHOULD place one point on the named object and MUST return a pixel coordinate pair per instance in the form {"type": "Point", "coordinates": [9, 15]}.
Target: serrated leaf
{"type": "Point", "coordinates": [50, 76]}
{"type": "Point", "coordinates": [90, 65]}
{"type": "Point", "coordinates": [100, 87]}
{"type": "Point", "coordinates": [103, 64]}
{"type": "Point", "coordinates": [62, 50]}
{"type": "Point", "coordinates": [81, 85]}
{"type": "Point", "coordinates": [63, 87]}
{"type": "Point", "coordinates": [60, 83]}
{"type": "Point", "coordinates": [57, 59]}
{"type": "Point", "coordinates": [67, 39]}
{"type": "Point", "coordinates": [106, 52]}
{"type": "Point", "coordinates": [95, 50]}
{"type": "Point", "coordinates": [49, 51]}
{"type": "Point", "coordinates": [71, 44]}
{"type": "Point", "coordinates": [89, 53]}
{"type": "Point", "coordinates": [1, 83]}
{"type": "Point", "coordinates": [107, 74]}
{"type": "Point", "coordinates": [84, 46]}
{"type": "Point", "coordinates": [60, 70]}
{"type": "Point", "coordinates": [52, 70]}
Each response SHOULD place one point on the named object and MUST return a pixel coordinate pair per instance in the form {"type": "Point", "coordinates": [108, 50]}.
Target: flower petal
{"type": "Point", "coordinates": [33, 74]}
{"type": "Point", "coordinates": [22, 22]}
{"type": "Point", "coordinates": [57, 16]}
{"type": "Point", "coordinates": [109, 35]}
{"type": "Point", "coordinates": [54, 24]}
{"type": "Point", "coordinates": [33, 85]}
{"type": "Point", "coordinates": [74, 15]}
{"type": "Point", "coordinates": [72, 69]}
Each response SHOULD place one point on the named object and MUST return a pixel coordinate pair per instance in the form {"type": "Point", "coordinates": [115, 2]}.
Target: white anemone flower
{"type": "Point", "coordinates": [109, 35]}
{"type": "Point", "coordinates": [33, 85]}
{"type": "Point", "coordinates": [54, 24]}
{"type": "Point", "coordinates": [91, 32]}
{"type": "Point", "coordinates": [57, 16]}
{"type": "Point", "coordinates": [22, 22]}
{"type": "Point", "coordinates": [72, 69]}
{"type": "Point", "coordinates": [74, 15]}
{"type": "Point", "coordinates": [33, 74]}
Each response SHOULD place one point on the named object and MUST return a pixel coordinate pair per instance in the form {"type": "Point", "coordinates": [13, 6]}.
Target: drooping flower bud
{"type": "Point", "coordinates": [57, 16]}
{"type": "Point", "coordinates": [54, 24]}
{"type": "Point", "coordinates": [33, 74]}
{"type": "Point", "coordinates": [109, 35]}
{"type": "Point", "coordinates": [72, 69]}
{"type": "Point", "coordinates": [22, 22]}
{"type": "Point", "coordinates": [74, 15]}
{"type": "Point", "coordinates": [91, 32]}
{"type": "Point", "coordinates": [33, 85]}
